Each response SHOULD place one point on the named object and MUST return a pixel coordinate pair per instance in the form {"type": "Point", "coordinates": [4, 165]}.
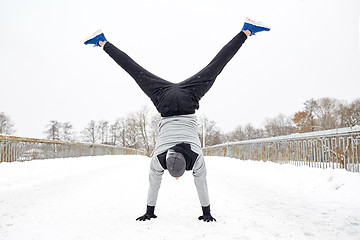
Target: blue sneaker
{"type": "Point", "coordinates": [95, 38]}
{"type": "Point", "coordinates": [254, 27]}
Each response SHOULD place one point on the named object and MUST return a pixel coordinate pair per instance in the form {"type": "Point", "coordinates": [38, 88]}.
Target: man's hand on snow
{"type": "Point", "coordinates": [206, 217]}
{"type": "Point", "coordinates": [148, 215]}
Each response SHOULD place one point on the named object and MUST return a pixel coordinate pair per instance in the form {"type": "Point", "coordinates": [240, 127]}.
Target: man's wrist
{"type": "Point", "coordinates": [150, 209]}
{"type": "Point", "coordinates": [206, 210]}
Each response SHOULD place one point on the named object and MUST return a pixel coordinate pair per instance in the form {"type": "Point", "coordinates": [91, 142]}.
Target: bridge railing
{"type": "Point", "coordinates": [336, 148]}
{"type": "Point", "coordinates": [24, 149]}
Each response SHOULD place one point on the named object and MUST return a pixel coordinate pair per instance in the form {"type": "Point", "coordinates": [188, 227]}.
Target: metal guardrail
{"type": "Point", "coordinates": [24, 149]}
{"type": "Point", "coordinates": [337, 148]}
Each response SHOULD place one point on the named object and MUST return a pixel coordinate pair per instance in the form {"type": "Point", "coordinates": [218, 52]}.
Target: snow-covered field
{"type": "Point", "coordinates": [95, 198]}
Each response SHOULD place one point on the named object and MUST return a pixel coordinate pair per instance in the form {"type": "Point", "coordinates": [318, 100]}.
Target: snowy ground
{"type": "Point", "coordinates": [94, 198]}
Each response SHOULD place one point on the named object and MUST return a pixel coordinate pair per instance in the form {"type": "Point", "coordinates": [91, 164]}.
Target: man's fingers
{"type": "Point", "coordinates": [207, 218]}
{"type": "Point", "coordinates": [146, 217]}
{"type": "Point", "coordinates": [142, 218]}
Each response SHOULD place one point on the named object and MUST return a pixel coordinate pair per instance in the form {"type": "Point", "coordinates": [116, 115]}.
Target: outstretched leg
{"type": "Point", "coordinates": [151, 84]}
{"type": "Point", "coordinates": [201, 82]}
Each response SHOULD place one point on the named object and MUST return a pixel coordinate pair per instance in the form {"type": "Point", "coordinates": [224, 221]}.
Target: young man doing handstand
{"type": "Point", "coordinates": [178, 147]}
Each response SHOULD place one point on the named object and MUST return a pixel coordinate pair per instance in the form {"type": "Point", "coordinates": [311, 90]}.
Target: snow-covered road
{"type": "Point", "coordinates": [95, 198]}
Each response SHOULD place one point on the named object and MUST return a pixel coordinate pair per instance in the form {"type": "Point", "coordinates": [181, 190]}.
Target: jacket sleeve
{"type": "Point", "coordinates": [199, 173]}
{"type": "Point", "coordinates": [155, 177]}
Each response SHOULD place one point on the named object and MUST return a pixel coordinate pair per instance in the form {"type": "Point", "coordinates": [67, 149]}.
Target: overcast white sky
{"type": "Point", "coordinates": [46, 72]}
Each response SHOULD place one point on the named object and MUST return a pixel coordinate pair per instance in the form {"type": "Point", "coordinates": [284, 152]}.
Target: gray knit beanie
{"type": "Point", "coordinates": [175, 163]}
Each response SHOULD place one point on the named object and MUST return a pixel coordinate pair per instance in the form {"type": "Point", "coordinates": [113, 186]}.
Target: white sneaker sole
{"type": "Point", "coordinates": [98, 32]}
{"type": "Point", "coordinates": [259, 24]}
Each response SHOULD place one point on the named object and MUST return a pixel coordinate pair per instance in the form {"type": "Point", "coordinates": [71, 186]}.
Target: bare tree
{"type": "Point", "coordinates": [122, 127]}
{"type": "Point", "coordinates": [209, 130]}
{"type": "Point", "coordinates": [252, 132]}
{"type": "Point", "coordinates": [6, 125]}
{"type": "Point", "coordinates": [154, 130]}
{"type": "Point", "coordinates": [238, 134]}
{"type": "Point", "coordinates": [147, 128]}
{"type": "Point", "coordinates": [349, 114]}
{"type": "Point", "coordinates": [67, 133]}
{"type": "Point", "coordinates": [89, 133]}
{"type": "Point", "coordinates": [53, 130]}
{"type": "Point", "coordinates": [143, 124]}
{"type": "Point", "coordinates": [278, 126]}
{"type": "Point", "coordinates": [103, 131]}
{"type": "Point", "coordinates": [132, 132]}
{"type": "Point", "coordinates": [310, 107]}
{"type": "Point", "coordinates": [114, 132]}
{"type": "Point", "coordinates": [354, 117]}
{"type": "Point", "coordinates": [326, 111]}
